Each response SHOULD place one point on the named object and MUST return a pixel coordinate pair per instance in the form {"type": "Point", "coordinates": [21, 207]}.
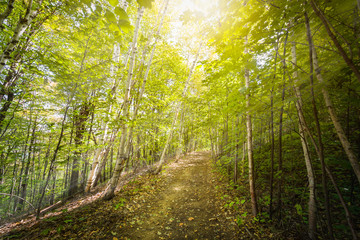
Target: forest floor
{"type": "Point", "coordinates": [185, 201]}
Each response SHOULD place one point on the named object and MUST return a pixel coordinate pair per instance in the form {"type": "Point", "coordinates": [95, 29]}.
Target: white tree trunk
{"type": "Point", "coordinates": [101, 154]}
{"type": "Point", "coordinates": [142, 90]}
{"type": "Point", "coordinates": [22, 25]}
{"type": "Point", "coordinates": [334, 118]}
{"type": "Point", "coordinates": [177, 110]}
{"type": "Point", "coordinates": [119, 165]}
{"type": "Point", "coordinates": [308, 163]}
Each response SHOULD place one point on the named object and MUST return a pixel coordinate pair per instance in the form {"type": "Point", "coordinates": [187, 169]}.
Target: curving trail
{"type": "Point", "coordinates": [187, 207]}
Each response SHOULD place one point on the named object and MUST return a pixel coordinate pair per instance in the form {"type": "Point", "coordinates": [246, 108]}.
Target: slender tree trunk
{"type": "Point", "coordinates": [280, 166]}
{"type": "Point", "coordinates": [52, 162]}
{"type": "Point", "coordinates": [24, 165]}
{"type": "Point", "coordinates": [272, 150]}
{"type": "Point", "coordinates": [318, 130]}
{"type": "Point", "coordinates": [349, 217]}
{"type": "Point", "coordinates": [52, 193]}
{"type": "Point", "coordinates": [177, 110]}
{"type": "Point", "coordinates": [237, 150]}
{"type": "Point", "coordinates": [21, 27]}
{"type": "Point", "coordinates": [24, 184]}
{"type": "Point", "coordinates": [101, 154]}
{"type": "Point", "coordinates": [121, 160]}
{"type": "Point", "coordinates": [15, 170]}
{"type": "Point", "coordinates": [304, 144]}
{"type": "Point", "coordinates": [250, 143]}
{"type": "Point", "coordinates": [142, 90]}
{"type": "Point", "coordinates": [333, 115]}
{"type": "Point", "coordinates": [6, 13]}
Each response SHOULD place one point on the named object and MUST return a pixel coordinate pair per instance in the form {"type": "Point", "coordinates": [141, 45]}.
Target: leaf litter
{"type": "Point", "coordinates": [184, 201]}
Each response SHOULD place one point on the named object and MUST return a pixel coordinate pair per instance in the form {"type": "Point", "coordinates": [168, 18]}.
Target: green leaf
{"type": "Point", "coordinates": [113, 3]}
{"type": "Point", "coordinates": [124, 25]}
{"type": "Point", "coordinates": [145, 3]}
{"type": "Point", "coordinates": [110, 16]}
{"type": "Point", "coordinates": [113, 27]}
{"type": "Point", "coordinates": [121, 13]}
{"type": "Point", "coordinates": [98, 9]}
{"type": "Point", "coordinates": [87, 2]}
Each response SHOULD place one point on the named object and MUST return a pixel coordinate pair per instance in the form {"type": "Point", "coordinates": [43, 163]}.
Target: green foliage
{"type": "Point", "coordinates": [121, 203]}
{"type": "Point", "coordinates": [145, 3]}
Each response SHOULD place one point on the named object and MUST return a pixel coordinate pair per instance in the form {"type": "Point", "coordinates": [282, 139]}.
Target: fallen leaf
{"type": "Point", "coordinates": [180, 224]}
{"type": "Point", "coordinates": [190, 218]}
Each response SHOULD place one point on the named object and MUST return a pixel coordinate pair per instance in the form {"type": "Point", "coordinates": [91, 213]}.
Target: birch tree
{"type": "Point", "coordinates": [121, 160]}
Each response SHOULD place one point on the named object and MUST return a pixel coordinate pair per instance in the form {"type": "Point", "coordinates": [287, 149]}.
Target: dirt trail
{"type": "Point", "coordinates": [183, 202]}
{"type": "Point", "coordinates": [187, 207]}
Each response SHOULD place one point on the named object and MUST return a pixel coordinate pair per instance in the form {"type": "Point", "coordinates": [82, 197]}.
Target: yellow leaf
{"type": "Point", "coordinates": [191, 218]}
{"type": "Point", "coordinates": [180, 224]}
{"type": "Point", "coordinates": [114, 238]}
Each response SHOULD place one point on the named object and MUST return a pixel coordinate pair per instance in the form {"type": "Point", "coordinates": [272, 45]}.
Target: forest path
{"type": "Point", "coordinates": [183, 202]}
{"type": "Point", "coordinates": [187, 207]}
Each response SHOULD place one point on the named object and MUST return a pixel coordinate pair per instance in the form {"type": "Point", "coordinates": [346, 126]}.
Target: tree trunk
{"type": "Point", "coordinates": [308, 163]}
{"type": "Point", "coordinates": [250, 143]}
{"type": "Point", "coordinates": [22, 25]}
{"type": "Point", "coordinates": [121, 159]}
{"type": "Point", "coordinates": [318, 130]}
{"type": "Point", "coordinates": [26, 172]}
{"type": "Point", "coordinates": [52, 162]}
{"type": "Point", "coordinates": [142, 90]}
{"type": "Point", "coordinates": [80, 124]}
{"type": "Point", "coordinates": [272, 150]}
{"type": "Point", "coordinates": [101, 154]}
{"type": "Point", "coordinates": [349, 217]}
{"type": "Point", "coordinates": [6, 13]}
{"type": "Point", "coordinates": [333, 115]}
{"type": "Point", "coordinates": [177, 110]}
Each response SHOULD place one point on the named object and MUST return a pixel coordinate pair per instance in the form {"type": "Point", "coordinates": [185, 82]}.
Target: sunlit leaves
{"type": "Point", "coordinates": [145, 3]}
{"type": "Point", "coordinates": [125, 25]}
{"type": "Point", "coordinates": [113, 3]}
{"type": "Point", "coordinates": [110, 16]}
{"type": "Point", "coordinates": [87, 2]}
{"type": "Point", "coordinates": [121, 13]}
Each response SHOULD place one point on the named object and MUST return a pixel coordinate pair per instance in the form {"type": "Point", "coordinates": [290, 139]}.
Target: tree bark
{"type": "Point", "coordinates": [177, 110]}
{"type": "Point", "coordinates": [52, 162]}
{"type": "Point", "coordinates": [250, 143]}
{"type": "Point", "coordinates": [318, 129]}
{"type": "Point", "coordinates": [333, 115]}
{"type": "Point", "coordinates": [80, 124]}
{"type": "Point", "coordinates": [304, 144]}
{"type": "Point", "coordinates": [24, 184]}
{"type": "Point", "coordinates": [142, 90]}
{"type": "Point", "coordinates": [121, 159]}
{"type": "Point", "coordinates": [272, 150]}
{"type": "Point", "coordinates": [6, 13]}
{"type": "Point", "coordinates": [22, 25]}
{"type": "Point", "coordinates": [348, 215]}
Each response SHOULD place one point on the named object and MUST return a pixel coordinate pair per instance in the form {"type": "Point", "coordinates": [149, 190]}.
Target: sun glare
{"type": "Point", "coordinates": [203, 6]}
